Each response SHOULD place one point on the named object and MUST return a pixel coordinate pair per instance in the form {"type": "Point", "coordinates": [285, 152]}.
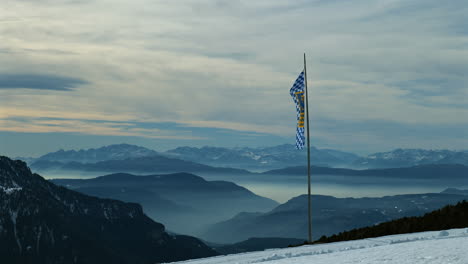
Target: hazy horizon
{"type": "Point", "coordinates": [26, 155]}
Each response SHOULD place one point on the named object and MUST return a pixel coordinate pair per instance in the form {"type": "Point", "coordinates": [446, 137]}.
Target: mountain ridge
{"type": "Point", "coordinates": [92, 155]}
{"type": "Point", "coordinates": [411, 157]}
{"type": "Point", "coordinates": [256, 159]}
{"type": "Point", "coordinates": [172, 198]}
{"type": "Point", "coordinates": [448, 217]}
{"type": "Point", "coordinates": [44, 223]}
{"type": "Point", "coordinates": [246, 157]}
{"type": "Point", "coordinates": [261, 158]}
{"type": "Point", "coordinates": [330, 215]}
{"type": "Point", "coordinates": [148, 164]}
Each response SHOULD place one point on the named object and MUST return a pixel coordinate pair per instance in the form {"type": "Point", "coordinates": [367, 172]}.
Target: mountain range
{"type": "Point", "coordinates": [174, 198]}
{"type": "Point", "coordinates": [330, 215]}
{"type": "Point", "coordinates": [255, 159]}
{"type": "Point", "coordinates": [145, 164]}
{"type": "Point", "coordinates": [262, 158]}
{"type": "Point", "coordinates": [44, 223]}
{"type": "Point", "coordinates": [93, 155]}
{"type": "Point", "coordinates": [247, 158]}
{"type": "Point", "coordinates": [411, 157]}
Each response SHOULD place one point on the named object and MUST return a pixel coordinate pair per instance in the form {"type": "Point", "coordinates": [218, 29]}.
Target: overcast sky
{"type": "Point", "coordinates": [86, 73]}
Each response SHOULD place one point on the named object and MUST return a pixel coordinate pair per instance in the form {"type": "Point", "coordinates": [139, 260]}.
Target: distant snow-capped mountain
{"type": "Point", "coordinates": [249, 158]}
{"type": "Point", "coordinates": [262, 158]}
{"type": "Point", "coordinates": [265, 158]}
{"type": "Point", "coordinates": [111, 152]}
{"type": "Point", "coordinates": [411, 157]}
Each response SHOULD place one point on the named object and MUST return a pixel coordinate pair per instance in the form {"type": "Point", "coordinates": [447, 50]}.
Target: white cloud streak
{"type": "Point", "coordinates": [229, 64]}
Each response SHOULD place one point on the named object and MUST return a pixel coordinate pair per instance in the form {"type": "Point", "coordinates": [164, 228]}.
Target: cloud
{"type": "Point", "coordinates": [229, 64]}
{"type": "Point", "coordinates": [39, 82]}
{"type": "Point", "coordinates": [89, 127]}
{"type": "Point", "coordinates": [47, 133]}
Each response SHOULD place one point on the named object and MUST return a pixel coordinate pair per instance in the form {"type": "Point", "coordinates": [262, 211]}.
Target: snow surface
{"type": "Point", "coordinates": [10, 190]}
{"type": "Point", "coordinates": [448, 246]}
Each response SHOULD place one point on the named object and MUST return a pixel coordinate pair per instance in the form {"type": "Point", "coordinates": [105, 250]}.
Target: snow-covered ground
{"type": "Point", "coordinates": [447, 247]}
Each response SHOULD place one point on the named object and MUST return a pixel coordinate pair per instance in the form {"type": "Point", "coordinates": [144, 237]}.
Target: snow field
{"type": "Point", "coordinates": [447, 247]}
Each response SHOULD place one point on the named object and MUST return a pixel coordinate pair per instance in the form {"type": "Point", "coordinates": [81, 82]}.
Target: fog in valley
{"type": "Point", "coordinates": [282, 188]}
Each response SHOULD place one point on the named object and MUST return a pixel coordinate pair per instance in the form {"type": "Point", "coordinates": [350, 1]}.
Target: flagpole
{"type": "Point", "coordinates": [308, 153]}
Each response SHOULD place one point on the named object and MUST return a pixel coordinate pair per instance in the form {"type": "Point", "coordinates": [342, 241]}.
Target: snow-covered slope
{"type": "Point", "coordinates": [450, 246]}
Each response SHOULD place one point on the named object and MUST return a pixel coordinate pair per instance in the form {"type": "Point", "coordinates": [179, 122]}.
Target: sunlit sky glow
{"type": "Point", "coordinates": [87, 73]}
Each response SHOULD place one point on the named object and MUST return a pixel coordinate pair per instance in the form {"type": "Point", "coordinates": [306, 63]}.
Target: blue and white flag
{"type": "Point", "coordinates": [297, 92]}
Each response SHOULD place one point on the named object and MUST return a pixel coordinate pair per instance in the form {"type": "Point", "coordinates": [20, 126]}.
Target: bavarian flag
{"type": "Point", "coordinates": [297, 92]}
